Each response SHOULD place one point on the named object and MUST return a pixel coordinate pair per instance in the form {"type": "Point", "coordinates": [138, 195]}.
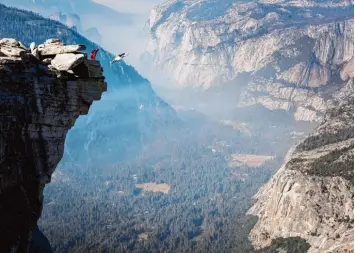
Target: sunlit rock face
{"type": "Point", "coordinates": [43, 91]}
{"type": "Point", "coordinates": [311, 196]}
{"type": "Point", "coordinates": [299, 47]}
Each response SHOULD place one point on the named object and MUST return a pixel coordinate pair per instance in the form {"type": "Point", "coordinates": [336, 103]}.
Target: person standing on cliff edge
{"type": "Point", "coordinates": [93, 54]}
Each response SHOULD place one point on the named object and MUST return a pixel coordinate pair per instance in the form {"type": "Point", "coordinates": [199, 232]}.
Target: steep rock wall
{"type": "Point", "coordinates": [302, 47]}
{"type": "Point", "coordinates": [311, 196]}
{"type": "Point", "coordinates": [43, 91]}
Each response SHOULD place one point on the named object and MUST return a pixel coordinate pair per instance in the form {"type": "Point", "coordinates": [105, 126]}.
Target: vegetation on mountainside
{"type": "Point", "coordinates": [287, 245]}
{"type": "Point", "coordinates": [322, 159]}
{"type": "Point", "coordinates": [343, 129]}
{"type": "Point", "coordinates": [324, 138]}
{"type": "Point", "coordinates": [339, 162]}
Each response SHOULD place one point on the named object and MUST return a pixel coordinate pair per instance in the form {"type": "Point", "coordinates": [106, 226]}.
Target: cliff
{"type": "Point", "coordinates": [43, 91]}
{"type": "Point", "coordinates": [132, 112]}
{"type": "Point", "coordinates": [311, 196]}
{"type": "Point", "coordinates": [284, 55]}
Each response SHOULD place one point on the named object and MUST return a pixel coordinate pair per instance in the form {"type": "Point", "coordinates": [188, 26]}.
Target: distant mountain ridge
{"type": "Point", "coordinates": [73, 21]}
{"type": "Point", "coordinates": [82, 7]}
{"type": "Point", "coordinates": [283, 55]}
{"type": "Point", "coordinates": [107, 21]}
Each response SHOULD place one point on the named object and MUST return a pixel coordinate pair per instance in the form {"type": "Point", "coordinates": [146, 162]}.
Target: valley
{"type": "Point", "coordinates": [181, 195]}
{"type": "Point", "coordinates": [187, 163]}
{"type": "Point", "coordinates": [238, 160]}
{"type": "Point", "coordinates": [153, 187]}
{"type": "Point", "coordinates": [189, 208]}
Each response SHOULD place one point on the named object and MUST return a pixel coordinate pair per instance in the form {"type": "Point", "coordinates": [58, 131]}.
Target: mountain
{"type": "Point", "coordinates": [283, 55]}
{"type": "Point", "coordinates": [135, 179]}
{"type": "Point", "coordinates": [130, 114]}
{"type": "Point", "coordinates": [109, 23]}
{"type": "Point", "coordinates": [262, 58]}
{"type": "Point", "coordinates": [94, 35]}
{"type": "Point", "coordinates": [312, 196]}
{"type": "Point", "coordinates": [86, 9]}
{"type": "Point", "coordinates": [42, 95]}
{"type": "Point", "coordinates": [73, 21]}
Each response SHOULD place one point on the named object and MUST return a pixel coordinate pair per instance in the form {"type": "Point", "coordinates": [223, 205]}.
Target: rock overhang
{"type": "Point", "coordinates": [43, 91]}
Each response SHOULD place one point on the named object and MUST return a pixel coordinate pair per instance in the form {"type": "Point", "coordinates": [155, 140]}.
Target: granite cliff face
{"type": "Point", "coordinates": [311, 196]}
{"type": "Point", "coordinates": [43, 91]}
{"type": "Point", "coordinates": [293, 52]}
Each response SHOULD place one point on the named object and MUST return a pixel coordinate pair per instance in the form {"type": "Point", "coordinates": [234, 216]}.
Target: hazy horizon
{"type": "Point", "coordinates": [131, 6]}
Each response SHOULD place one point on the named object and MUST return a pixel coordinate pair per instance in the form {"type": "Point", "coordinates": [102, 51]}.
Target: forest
{"type": "Point", "coordinates": [103, 210]}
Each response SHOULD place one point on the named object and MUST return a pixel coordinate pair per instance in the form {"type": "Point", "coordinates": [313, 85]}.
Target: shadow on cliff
{"type": "Point", "coordinates": [39, 243]}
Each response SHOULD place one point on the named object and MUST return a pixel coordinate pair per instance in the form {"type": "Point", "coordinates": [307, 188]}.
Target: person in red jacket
{"type": "Point", "coordinates": [93, 54]}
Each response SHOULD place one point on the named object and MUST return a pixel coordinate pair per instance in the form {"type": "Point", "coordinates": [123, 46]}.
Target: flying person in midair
{"type": "Point", "coordinates": [119, 57]}
{"type": "Point", "coordinates": [93, 54]}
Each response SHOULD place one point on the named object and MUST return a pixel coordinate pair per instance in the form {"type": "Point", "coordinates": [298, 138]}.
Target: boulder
{"type": "Point", "coordinates": [35, 53]}
{"type": "Point", "coordinates": [12, 51]}
{"type": "Point", "coordinates": [9, 42]}
{"type": "Point", "coordinates": [57, 49]}
{"type": "Point", "coordinates": [65, 62]}
{"type": "Point", "coordinates": [54, 41]}
{"type": "Point", "coordinates": [9, 60]}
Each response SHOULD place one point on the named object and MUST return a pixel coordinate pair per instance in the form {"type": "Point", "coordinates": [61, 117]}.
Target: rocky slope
{"type": "Point", "coordinates": [311, 196]}
{"type": "Point", "coordinates": [43, 91]}
{"type": "Point", "coordinates": [284, 55]}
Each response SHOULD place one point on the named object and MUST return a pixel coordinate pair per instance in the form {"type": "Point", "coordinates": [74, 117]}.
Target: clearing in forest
{"type": "Point", "coordinates": [249, 160]}
{"type": "Point", "coordinates": [153, 187]}
{"type": "Point", "coordinates": [143, 236]}
{"type": "Point", "coordinates": [239, 126]}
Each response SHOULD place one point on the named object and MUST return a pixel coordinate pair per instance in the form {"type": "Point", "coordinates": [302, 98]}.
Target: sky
{"type": "Point", "coordinates": [131, 6]}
